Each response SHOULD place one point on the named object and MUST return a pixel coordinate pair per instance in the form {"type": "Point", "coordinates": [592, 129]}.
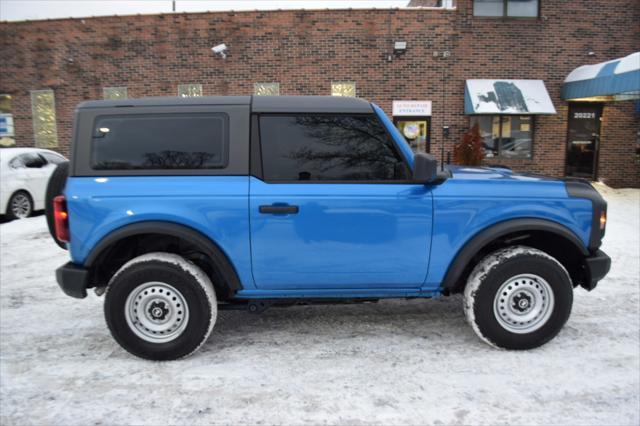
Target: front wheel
{"type": "Point", "coordinates": [518, 298]}
{"type": "Point", "coordinates": [159, 306]}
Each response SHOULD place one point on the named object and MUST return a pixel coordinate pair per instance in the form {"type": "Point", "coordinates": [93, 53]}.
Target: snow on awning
{"type": "Point", "coordinates": [511, 97]}
{"type": "Point", "coordinates": [608, 81]}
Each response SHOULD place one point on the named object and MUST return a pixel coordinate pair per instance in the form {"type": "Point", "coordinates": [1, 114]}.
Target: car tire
{"type": "Point", "coordinates": [159, 306]}
{"type": "Point", "coordinates": [518, 298]}
{"type": "Point", "coordinates": [55, 187]}
{"type": "Point", "coordinates": [20, 206]}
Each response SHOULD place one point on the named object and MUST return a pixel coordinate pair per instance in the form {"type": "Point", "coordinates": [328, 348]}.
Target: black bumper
{"type": "Point", "coordinates": [73, 280]}
{"type": "Point", "coordinates": [596, 267]}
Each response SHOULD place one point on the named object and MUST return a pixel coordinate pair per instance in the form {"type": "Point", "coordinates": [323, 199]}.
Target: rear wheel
{"type": "Point", "coordinates": [55, 187]}
{"type": "Point", "coordinates": [20, 206]}
{"type": "Point", "coordinates": [159, 306]}
{"type": "Point", "coordinates": [518, 298]}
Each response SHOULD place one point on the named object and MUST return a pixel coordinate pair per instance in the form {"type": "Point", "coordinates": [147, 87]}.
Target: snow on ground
{"type": "Point", "coordinates": [395, 362]}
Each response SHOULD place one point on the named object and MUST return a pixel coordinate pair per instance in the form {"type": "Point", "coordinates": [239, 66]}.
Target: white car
{"type": "Point", "coordinates": [24, 174]}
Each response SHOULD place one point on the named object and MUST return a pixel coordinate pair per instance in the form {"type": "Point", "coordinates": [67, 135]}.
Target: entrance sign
{"type": "Point", "coordinates": [411, 108]}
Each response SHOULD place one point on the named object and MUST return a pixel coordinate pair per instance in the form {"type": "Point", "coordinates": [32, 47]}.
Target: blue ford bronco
{"type": "Point", "coordinates": [174, 208]}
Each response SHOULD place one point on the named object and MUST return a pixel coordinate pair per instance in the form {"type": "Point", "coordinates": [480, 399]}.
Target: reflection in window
{"type": "Point", "coordinates": [114, 93]}
{"type": "Point", "coordinates": [328, 147]}
{"type": "Point", "coordinates": [160, 141]}
{"type": "Point", "coordinates": [507, 136]}
{"type": "Point", "coordinates": [522, 8]}
{"type": "Point", "coordinates": [43, 111]}
{"type": "Point", "coordinates": [508, 8]}
{"type": "Point", "coordinates": [415, 133]}
{"type": "Point", "coordinates": [189, 90]}
{"type": "Point", "coordinates": [266, 89]}
{"type": "Point", "coordinates": [343, 88]}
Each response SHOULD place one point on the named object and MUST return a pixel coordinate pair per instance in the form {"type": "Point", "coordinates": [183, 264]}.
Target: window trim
{"type": "Point", "coordinates": [257, 170]}
{"type": "Point", "coordinates": [505, 15]}
{"type": "Point", "coordinates": [500, 156]}
{"type": "Point", "coordinates": [238, 139]}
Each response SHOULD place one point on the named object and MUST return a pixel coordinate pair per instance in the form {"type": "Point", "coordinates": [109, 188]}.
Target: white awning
{"type": "Point", "coordinates": [509, 97]}
{"type": "Point", "coordinates": [614, 80]}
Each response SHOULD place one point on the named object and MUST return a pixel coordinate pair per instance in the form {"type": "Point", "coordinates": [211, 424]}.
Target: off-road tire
{"type": "Point", "coordinates": [55, 187]}
{"type": "Point", "coordinates": [188, 279]}
{"type": "Point", "coordinates": [482, 305]}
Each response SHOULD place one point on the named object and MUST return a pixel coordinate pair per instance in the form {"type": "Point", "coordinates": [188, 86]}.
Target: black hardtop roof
{"type": "Point", "coordinates": [273, 104]}
{"type": "Point", "coordinates": [167, 101]}
{"type": "Point", "coordinates": [310, 104]}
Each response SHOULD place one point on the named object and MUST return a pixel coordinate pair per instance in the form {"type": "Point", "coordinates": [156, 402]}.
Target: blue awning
{"type": "Point", "coordinates": [509, 97]}
{"type": "Point", "coordinates": [608, 81]}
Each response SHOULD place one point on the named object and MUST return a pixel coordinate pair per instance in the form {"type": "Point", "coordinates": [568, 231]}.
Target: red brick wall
{"type": "Point", "coordinates": [618, 164]}
{"type": "Point", "coordinates": [306, 50]}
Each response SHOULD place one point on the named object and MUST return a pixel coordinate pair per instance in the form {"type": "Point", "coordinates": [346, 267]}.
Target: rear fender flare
{"type": "Point", "coordinates": [220, 260]}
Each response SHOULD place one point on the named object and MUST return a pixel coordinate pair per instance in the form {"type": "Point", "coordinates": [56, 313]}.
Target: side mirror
{"type": "Point", "coordinates": [425, 168]}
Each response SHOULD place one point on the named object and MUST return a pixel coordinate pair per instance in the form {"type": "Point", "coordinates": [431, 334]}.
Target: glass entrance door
{"type": "Point", "coordinates": [583, 140]}
{"type": "Point", "coordinates": [416, 130]}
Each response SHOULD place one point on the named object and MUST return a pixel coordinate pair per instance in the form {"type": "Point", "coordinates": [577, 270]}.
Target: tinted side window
{"type": "Point", "coordinates": [29, 160]}
{"type": "Point", "coordinates": [160, 141]}
{"type": "Point", "coordinates": [328, 147]}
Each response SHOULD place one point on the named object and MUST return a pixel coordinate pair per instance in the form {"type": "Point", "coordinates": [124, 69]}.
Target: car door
{"type": "Point", "coordinates": [334, 207]}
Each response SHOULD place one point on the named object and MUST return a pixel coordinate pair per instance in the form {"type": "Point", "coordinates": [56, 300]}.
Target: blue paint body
{"type": "Point", "coordinates": [347, 241]}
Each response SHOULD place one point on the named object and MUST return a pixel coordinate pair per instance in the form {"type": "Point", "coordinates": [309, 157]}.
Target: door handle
{"type": "Point", "coordinates": [279, 209]}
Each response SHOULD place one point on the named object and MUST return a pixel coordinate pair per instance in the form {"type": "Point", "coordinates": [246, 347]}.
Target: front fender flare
{"type": "Point", "coordinates": [486, 236]}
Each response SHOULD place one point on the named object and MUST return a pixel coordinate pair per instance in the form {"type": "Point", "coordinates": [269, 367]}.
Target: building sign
{"type": "Point", "coordinates": [6, 130]}
{"type": "Point", "coordinates": [411, 108]}
{"type": "Point", "coordinates": [6, 125]}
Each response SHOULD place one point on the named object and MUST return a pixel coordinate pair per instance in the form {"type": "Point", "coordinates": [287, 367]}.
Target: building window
{"type": "Point", "coordinates": [266, 89]}
{"type": "Point", "coordinates": [43, 110]}
{"type": "Point", "coordinates": [506, 8]}
{"type": "Point", "coordinates": [6, 121]}
{"type": "Point", "coordinates": [506, 136]}
{"type": "Point", "coordinates": [114, 93]}
{"type": "Point", "coordinates": [343, 88]}
{"type": "Point", "coordinates": [189, 90]}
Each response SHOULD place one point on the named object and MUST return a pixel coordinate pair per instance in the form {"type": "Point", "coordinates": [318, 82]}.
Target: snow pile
{"type": "Point", "coordinates": [395, 362]}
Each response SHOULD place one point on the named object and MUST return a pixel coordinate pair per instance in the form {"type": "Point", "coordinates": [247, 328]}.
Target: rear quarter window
{"type": "Point", "coordinates": [160, 141]}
